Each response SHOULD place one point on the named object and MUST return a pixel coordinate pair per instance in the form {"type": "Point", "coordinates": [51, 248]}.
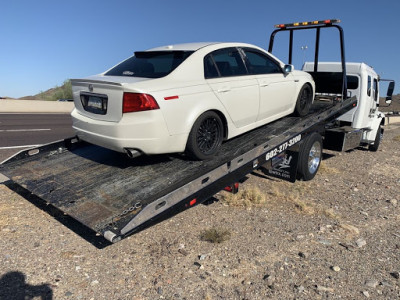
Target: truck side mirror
{"type": "Point", "coordinates": [288, 69]}
{"type": "Point", "coordinates": [390, 93]}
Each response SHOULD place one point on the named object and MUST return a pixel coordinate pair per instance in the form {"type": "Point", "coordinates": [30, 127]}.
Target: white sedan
{"type": "Point", "coordinates": [187, 98]}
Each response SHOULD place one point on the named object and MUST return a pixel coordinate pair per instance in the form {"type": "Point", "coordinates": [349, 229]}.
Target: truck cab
{"type": "Point", "coordinates": [364, 122]}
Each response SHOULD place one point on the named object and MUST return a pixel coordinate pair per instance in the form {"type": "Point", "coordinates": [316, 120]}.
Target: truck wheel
{"type": "Point", "coordinates": [310, 157]}
{"type": "Point", "coordinates": [206, 136]}
{"type": "Point", "coordinates": [379, 135]}
{"type": "Point", "coordinates": [304, 101]}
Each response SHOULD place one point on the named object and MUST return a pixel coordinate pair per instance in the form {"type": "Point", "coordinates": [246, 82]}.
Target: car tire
{"type": "Point", "coordinates": [304, 100]}
{"type": "Point", "coordinates": [206, 136]}
{"type": "Point", "coordinates": [310, 157]}
{"type": "Point", "coordinates": [379, 135]}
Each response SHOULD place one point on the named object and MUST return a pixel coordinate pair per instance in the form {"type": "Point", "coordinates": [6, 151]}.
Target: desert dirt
{"type": "Point", "coordinates": [335, 237]}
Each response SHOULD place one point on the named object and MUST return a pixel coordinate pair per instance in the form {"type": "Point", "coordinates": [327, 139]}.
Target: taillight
{"type": "Point", "coordinates": [138, 102]}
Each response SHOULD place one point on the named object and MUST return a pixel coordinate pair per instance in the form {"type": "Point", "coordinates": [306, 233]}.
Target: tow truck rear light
{"type": "Point", "coordinates": [300, 24]}
{"type": "Point", "coordinates": [133, 102]}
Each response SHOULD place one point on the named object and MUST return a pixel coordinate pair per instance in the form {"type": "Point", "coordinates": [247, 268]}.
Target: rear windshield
{"type": "Point", "coordinates": [149, 64]}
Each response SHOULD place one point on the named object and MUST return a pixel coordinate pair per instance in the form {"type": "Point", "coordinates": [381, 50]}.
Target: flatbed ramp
{"type": "Point", "coordinates": [115, 195]}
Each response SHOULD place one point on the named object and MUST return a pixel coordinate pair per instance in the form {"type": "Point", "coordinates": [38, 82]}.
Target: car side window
{"type": "Point", "coordinates": [260, 63]}
{"type": "Point", "coordinates": [228, 62]}
{"type": "Point", "coordinates": [210, 69]}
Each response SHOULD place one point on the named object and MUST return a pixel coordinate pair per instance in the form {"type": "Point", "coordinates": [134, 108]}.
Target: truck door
{"type": "Point", "coordinates": [372, 95]}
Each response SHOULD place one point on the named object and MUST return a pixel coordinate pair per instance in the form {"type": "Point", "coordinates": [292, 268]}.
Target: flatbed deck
{"type": "Point", "coordinates": [115, 195]}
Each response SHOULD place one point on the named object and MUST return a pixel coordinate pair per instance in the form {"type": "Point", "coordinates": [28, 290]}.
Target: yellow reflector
{"type": "Point", "coordinates": [326, 22]}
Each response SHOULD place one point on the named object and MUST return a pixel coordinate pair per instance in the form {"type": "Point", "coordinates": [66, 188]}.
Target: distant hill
{"type": "Point", "coordinates": [394, 106]}
{"type": "Point", "coordinates": [59, 92]}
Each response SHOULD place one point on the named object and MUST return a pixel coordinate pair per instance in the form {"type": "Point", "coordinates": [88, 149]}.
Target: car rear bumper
{"type": "Point", "coordinates": [144, 131]}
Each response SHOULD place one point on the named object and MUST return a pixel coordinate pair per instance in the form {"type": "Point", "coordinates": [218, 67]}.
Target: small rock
{"type": "Point", "coordinates": [68, 294]}
{"type": "Point", "coordinates": [36, 244]}
{"type": "Point", "coordinates": [183, 252]}
{"type": "Point", "coordinates": [395, 275]}
{"type": "Point", "coordinates": [325, 242]}
{"type": "Point", "coordinates": [355, 189]}
{"type": "Point", "coordinates": [347, 246]}
{"type": "Point", "coordinates": [269, 279]}
{"type": "Point", "coordinates": [94, 282]}
{"type": "Point", "coordinates": [303, 255]}
{"type": "Point", "coordinates": [361, 243]}
{"type": "Point", "coordinates": [372, 283]}
{"type": "Point", "coordinates": [159, 290]}
{"type": "Point", "coordinates": [336, 268]}
{"type": "Point", "coordinates": [300, 289]}
{"type": "Point", "coordinates": [203, 256]}
{"type": "Point", "coordinates": [366, 294]}
{"type": "Point", "coordinates": [393, 202]}
{"type": "Point", "coordinates": [321, 288]}
{"type": "Point", "coordinates": [385, 283]}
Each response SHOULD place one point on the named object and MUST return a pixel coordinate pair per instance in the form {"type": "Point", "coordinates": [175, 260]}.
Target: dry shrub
{"type": "Point", "coordinates": [215, 235]}
{"type": "Point", "coordinates": [351, 229]}
{"type": "Point", "coordinates": [324, 169]}
{"type": "Point", "coordinates": [304, 207]}
{"type": "Point", "coordinates": [247, 197]}
{"type": "Point", "coordinates": [331, 214]}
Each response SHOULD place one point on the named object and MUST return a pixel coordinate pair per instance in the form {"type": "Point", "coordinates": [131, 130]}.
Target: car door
{"type": "Point", "coordinates": [226, 74]}
{"type": "Point", "coordinates": [277, 89]}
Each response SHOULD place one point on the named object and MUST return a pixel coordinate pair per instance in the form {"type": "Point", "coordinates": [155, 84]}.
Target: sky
{"type": "Point", "coordinates": [43, 43]}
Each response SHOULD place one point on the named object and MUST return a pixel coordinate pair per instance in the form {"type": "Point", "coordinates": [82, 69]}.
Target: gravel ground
{"type": "Point", "coordinates": [335, 237]}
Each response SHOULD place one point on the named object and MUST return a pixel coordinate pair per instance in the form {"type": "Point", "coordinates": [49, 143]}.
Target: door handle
{"type": "Point", "coordinates": [264, 84]}
{"type": "Point", "coordinates": [223, 90]}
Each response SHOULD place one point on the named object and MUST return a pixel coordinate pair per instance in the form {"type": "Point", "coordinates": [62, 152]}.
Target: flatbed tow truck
{"type": "Point", "coordinates": [116, 196]}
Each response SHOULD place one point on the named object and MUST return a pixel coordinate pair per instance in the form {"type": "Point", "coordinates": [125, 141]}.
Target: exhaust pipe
{"type": "Point", "coordinates": [132, 153]}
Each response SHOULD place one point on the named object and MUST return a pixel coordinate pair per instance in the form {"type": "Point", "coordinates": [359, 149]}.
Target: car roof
{"type": "Point", "coordinates": [184, 47]}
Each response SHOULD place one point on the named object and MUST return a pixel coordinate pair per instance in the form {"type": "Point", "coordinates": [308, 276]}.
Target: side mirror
{"type": "Point", "coordinates": [390, 91]}
{"type": "Point", "coordinates": [288, 69]}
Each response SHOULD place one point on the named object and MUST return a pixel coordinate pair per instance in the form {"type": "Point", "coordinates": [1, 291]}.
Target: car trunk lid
{"type": "Point", "coordinates": [100, 97]}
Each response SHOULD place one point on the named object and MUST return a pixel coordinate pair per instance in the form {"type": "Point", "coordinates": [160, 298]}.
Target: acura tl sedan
{"type": "Point", "coordinates": [187, 98]}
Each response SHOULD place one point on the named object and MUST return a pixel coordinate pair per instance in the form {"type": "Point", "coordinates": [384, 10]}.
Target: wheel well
{"type": "Point", "coordinates": [310, 86]}
{"type": "Point", "coordinates": [224, 122]}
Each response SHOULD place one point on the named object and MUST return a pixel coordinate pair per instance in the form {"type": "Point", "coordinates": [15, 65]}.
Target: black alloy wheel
{"type": "Point", "coordinates": [304, 101]}
{"type": "Point", "coordinates": [205, 137]}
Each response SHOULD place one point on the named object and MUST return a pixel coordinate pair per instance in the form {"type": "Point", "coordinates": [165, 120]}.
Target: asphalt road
{"type": "Point", "coordinates": [19, 131]}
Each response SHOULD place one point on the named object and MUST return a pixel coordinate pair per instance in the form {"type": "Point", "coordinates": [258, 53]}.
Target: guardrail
{"type": "Point", "coordinates": [35, 106]}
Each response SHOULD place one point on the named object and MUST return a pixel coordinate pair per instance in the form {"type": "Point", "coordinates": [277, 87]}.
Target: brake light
{"type": "Point", "coordinates": [133, 102]}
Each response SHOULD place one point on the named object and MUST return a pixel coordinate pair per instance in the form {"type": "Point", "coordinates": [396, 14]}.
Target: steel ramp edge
{"type": "Point", "coordinates": [170, 200]}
